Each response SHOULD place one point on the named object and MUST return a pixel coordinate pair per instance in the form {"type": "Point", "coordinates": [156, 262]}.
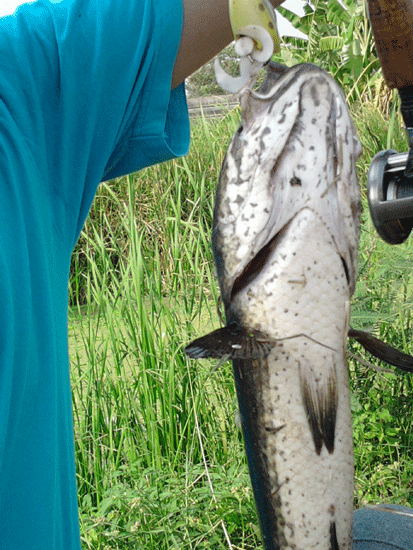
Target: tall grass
{"type": "Point", "coordinates": [159, 460]}
{"type": "Point", "coordinates": [382, 402]}
{"type": "Point", "coordinates": [160, 463]}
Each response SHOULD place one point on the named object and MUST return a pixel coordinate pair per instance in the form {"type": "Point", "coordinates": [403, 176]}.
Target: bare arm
{"type": "Point", "coordinates": [206, 31]}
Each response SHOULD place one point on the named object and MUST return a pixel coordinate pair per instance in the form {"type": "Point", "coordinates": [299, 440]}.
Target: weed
{"type": "Point", "coordinates": [159, 460]}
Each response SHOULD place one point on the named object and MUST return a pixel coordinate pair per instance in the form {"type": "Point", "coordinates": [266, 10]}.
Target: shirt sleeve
{"type": "Point", "coordinates": [87, 84]}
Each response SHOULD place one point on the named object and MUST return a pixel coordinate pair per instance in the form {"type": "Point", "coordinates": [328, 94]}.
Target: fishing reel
{"type": "Point", "coordinates": [390, 196]}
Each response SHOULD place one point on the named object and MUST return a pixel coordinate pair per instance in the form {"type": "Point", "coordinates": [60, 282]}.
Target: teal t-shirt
{"type": "Point", "coordinates": [84, 96]}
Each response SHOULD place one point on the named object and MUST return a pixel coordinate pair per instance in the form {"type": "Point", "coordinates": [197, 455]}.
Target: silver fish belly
{"type": "Point", "coordinates": [285, 240]}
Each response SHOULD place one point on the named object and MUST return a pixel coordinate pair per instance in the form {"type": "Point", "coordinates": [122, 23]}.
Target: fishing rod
{"type": "Point", "coordinates": [390, 177]}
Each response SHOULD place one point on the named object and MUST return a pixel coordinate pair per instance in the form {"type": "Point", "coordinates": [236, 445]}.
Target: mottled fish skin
{"type": "Point", "coordinates": [285, 240]}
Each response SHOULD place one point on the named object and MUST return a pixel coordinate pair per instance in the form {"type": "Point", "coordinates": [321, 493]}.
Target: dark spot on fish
{"type": "Point", "coordinates": [313, 121]}
{"type": "Point", "coordinates": [314, 95]}
{"type": "Point", "coordinates": [281, 120]}
{"type": "Point", "coordinates": [331, 510]}
{"type": "Point", "coordinates": [271, 26]}
{"type": "Point", "coordinates": [346, 271]}
{"type": "Point", "coordinates": [267, 130]}
{"type": "Point", "coordinates": [295, 181]}
{"type": "Point", "coordinates": [311, 147]}
{"type": "Point", "coordinates": [261, 7]}
{"type": "Point", "coordinates": [286, 106]}
{"type": "Point", "coordinates": [274, 430]}
{"type": "Point", "coordinates": [333, 537]}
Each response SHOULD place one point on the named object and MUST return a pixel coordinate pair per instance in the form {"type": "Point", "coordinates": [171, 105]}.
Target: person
{"type": "Point", "coordinates": [89, 90]}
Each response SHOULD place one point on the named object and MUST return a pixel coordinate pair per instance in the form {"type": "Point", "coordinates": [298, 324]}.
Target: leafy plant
{"type": "Point", "coordinates": [340, 41]}
{"type": "Point", "coordinates": [160, 463]}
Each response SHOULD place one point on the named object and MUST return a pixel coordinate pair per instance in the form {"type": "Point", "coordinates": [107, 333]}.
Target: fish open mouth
{"type": "Point", "coordinates": [258, 262]}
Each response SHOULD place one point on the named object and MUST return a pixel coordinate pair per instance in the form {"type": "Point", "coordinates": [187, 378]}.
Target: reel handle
{"type": "Point", "coordinates": [390, 196]}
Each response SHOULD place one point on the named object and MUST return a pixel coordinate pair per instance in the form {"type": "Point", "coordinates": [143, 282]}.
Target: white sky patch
{"type": "Point", "coordinates": [284, 26]}
{"type": "Point", "coordinates": [296, 6]}
{"type": "Point", "coordinates": [286, 29]}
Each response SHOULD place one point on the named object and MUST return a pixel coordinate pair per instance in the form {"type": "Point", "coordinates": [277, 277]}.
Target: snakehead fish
{"type": "Point", "coordinates": [285, 237]}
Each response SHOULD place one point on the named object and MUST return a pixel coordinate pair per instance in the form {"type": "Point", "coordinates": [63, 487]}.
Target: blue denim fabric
{"type": "Point", "coordinates": [382, 530]}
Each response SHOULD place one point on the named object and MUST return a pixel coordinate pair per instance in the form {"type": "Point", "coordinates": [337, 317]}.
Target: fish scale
{"type": "Point", "coordinates": [314, 490]}
{"type": "Point", "coordinates": [285, 237]}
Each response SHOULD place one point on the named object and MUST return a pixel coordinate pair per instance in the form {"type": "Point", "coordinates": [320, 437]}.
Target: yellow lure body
{"type": "Point", "coordinates": [254, 12]}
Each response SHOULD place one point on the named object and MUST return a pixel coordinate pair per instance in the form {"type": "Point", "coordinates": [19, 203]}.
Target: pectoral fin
{"type": "Point", "coordinates": [382, 351]}
{"type": "Point", "coordinates": [320, 400]}
{"type": "Point", "coordinates": [233, 341]}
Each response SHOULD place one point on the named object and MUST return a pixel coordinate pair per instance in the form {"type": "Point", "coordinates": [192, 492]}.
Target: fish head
{"type": "Point", "coordinates": [296, 148]}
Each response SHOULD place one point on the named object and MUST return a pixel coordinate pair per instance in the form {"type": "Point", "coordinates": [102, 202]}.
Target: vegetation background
{"type": "Point", "coordinates": [160, 463]}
